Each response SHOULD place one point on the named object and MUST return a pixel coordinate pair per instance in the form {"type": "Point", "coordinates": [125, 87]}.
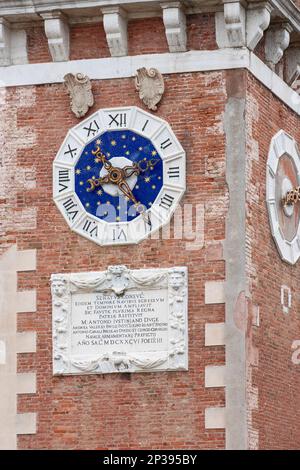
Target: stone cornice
{"type": "Point", "coordinates": [16, 11]}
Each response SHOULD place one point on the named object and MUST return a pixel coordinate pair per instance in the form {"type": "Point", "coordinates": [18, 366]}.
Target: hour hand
{"type": "Point", "coordinates": [94, 183]}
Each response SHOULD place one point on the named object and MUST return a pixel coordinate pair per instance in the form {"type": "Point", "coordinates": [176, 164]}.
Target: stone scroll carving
{"type": "Point", "coordinates": [119, 320]}
{"type": "Point", "coordinates": [80, 91]}
{"type": "Point", "coordinates": [150, 85]}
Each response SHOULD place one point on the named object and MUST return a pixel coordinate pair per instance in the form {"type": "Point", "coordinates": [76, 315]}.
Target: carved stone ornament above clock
{"type": "Point", "coordinates": [119, 176]}
{"type": "Point", "coordinates": [283, 175]}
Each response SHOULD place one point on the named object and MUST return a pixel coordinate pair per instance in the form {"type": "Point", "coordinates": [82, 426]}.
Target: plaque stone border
{"type": "Point", "coordinates": [118, 280]}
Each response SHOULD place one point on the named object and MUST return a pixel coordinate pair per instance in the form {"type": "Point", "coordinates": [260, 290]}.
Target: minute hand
{"type": "Point", "coordinates": [124, 187]}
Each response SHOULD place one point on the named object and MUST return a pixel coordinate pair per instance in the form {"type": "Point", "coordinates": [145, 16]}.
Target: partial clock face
{"type": "Point", "coordinates": [119, 175]}
{"type": "Point", "coordinates": [283, 175]}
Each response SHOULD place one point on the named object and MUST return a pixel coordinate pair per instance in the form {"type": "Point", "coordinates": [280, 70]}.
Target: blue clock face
{"type": "Point", "coordinates": [134, 163]}
{"type": "Point", "coordinates": [118, 176]}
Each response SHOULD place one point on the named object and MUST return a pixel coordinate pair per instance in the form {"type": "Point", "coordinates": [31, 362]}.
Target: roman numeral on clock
{"type": "Point", "coordinates": [119, 234]}
{"type": "Point", "coordinates": [145, 125]}
{"type": "Point", "coordinates": [166, 143]}
{"type": "Point", "coordinates": [91, 228]}
{"type": "Point", "coordinates": [92, 128]}
{"type": "Point", "coordinates": [166, 201]}
{"type": "Point", "coordinates": [118, 119]}
{"type": "Point", "coordinates": [63, 177]}
{"type": "Point", "coordinates": [71, 151]}
{"type": "Point", "coordinates": [173, 172]}
{"type": "Point", "coordinates": [71, 208]}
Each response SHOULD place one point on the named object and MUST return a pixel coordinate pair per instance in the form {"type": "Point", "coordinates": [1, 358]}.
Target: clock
{"type": "Point", "coordinates": [282, 188]}
{"type": "Point", "coordinates": [119, 176]}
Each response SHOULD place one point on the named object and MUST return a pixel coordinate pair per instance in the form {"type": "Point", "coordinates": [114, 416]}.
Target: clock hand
{"type": "Point", "coordinates": [138, 168]}
{"type": "Point", "coordinates": [149, 164]}
{"type": "Point", "coordinates": [94, 183]}
{"type": "Point", "coordinates": [123, 185]}
{"type": "Point", "coordinates": [103, 159]}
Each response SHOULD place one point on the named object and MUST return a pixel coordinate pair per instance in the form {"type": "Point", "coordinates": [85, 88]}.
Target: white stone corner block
{"type": "Point", "coordinates": [26, 342]}
{"type": "Point", "coordinates": [5, 40]}
{"type": "Point", "coordinates": [18, 47]}
{"type": "Point", "coordinates": [26, 260]}
{"type": "Point", "coordinates": [215, 418]}
{"type": "Point", "coordinates": [258, 20]}
{"type": "Point", "coordinates": [115, 27]}
{"type": "Point", "coordinates": [231, 25]}
{"type": "Point", "coordinates": [58, 34]}
{"type": "Point", "coordinates": [2, 352]}
{"type": "Point", "coordinates": [277, 41]}
{"type": "Point", "coordinates": [215, 292]}
{"type": "Point", "coordinates": [292, 57]}
{"type": "Point", "coordinates": [26, 382]}
{"type": "Point", "coordinates": [26, 301]}
{"type": "Point", "coordinates": [26, 423]}
{"type": "Point", "coordinates": [214, 376]}
{"type": "Point", "coordinates": [175, 26]}
{"type": "Point", "coordinates": [214, 334]}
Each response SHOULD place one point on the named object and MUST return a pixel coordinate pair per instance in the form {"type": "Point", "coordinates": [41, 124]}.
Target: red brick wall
{"type": "Point", "coordinates": [158, 410]}
{"type": "Point", "coordinates": [277, 378]}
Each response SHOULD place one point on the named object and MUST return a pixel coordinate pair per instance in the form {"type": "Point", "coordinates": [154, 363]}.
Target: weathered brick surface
{"type": "Point", "coordinates": [158, 410]}
{"type": "Point", "coordinates": [276, 378]}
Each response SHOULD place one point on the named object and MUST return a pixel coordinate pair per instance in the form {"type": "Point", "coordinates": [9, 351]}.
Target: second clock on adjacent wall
{"type": "Point", "coordinates": [119, 175]}
{"type": "Point", "coordinates": [283, 180]}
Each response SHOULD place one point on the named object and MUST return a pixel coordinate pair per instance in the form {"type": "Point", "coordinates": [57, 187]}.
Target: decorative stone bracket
{"type": "Point", "coordinates": [13, 45]}
{"type": "Point", "coordinates": [292, 56]}
{"type": "Point", "coordinates": [236, 27]}
{"type": "Point", "coordinates": [57, 32]}
{"type": "Point", "coordinates": [115, 26]}
{"type": "Point", "coordinates": [175, 25]}
{"type": "Point", "coordinates": [277, 41]}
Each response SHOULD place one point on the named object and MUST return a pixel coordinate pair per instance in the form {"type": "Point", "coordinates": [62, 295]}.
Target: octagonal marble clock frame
{"type": "Point", "coordinates": [283, 174]}
{"type": "Point", "coordinates": [131, 123]}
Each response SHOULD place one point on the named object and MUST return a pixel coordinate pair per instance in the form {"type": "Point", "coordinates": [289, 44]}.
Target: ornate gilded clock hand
{"type": "Point", "coordinates": [103, 159]}
{"type": "Point", "coordinates": [139, 207]}
{"type": "Point", "coordinates": [139, 167]}
{"type": "Point", "coordinates": [94, 183]}
{"type": "Point", "coordinates": [292, 196]}
{"type": "Point", "coordinates": [149, 163]}
{"type": "Point", "coordinates": [123, 185]}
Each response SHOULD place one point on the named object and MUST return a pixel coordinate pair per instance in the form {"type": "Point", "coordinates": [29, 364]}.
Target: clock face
{"type": "Point", "coordinates": [283, 174]}
{"type": "Point", "coordinates": [119, 175]}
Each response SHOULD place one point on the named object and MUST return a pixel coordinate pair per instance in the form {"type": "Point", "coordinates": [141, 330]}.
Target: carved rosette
{"type": "Point", "coordinates": [116, 282]}
{"type": "Point", "coordinates": [80, 91]}
{"type": "Point", "coordinates": [150, 85]}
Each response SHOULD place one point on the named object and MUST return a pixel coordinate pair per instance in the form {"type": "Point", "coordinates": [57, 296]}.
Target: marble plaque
{"type": "Point", "coordinates": [120, 320]}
